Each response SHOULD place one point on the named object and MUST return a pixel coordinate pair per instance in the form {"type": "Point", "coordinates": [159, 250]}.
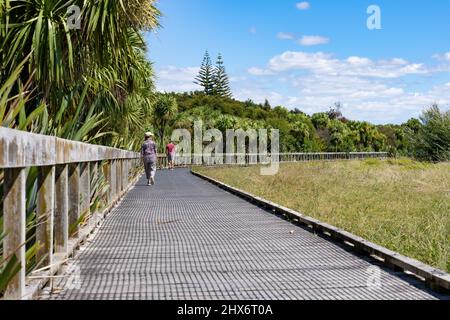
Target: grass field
{"type": "Point", "coordinates": [400, 204]}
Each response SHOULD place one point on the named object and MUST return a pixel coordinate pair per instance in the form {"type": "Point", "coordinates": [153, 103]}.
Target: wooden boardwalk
{"type": "Point", "coordinates": [187, 239]}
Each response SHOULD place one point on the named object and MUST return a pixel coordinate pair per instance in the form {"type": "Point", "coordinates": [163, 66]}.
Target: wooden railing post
{"type": "Point", "coordinates": [112, 181]}
{"type": "Point", "coordinates": [125, 173]}
{"type": "Point", "coordinates": [93, 176]}
{"type": "Point", "coordinates": [45, 214]}
{"type": "Point", "coordinates": [129, 167]}
{"type": "Point", "coordinates": [85, 189]}
{"type": "Point", "coordinates": [74, 199]}
{"type": "Point", "coordinates": [61, 209]}
{"type": "Point", "coordinates": [106, 168]}
{"type": "Point", "coordinates": [119, 178]}
{"type": "Point", "coordinates": [114, 176]}
{"type": "Point", "coordinates": [14, 226]}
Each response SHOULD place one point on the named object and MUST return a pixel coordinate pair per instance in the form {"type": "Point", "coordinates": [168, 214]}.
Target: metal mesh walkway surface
{"type": "Point", "coordinates": [187, 239]}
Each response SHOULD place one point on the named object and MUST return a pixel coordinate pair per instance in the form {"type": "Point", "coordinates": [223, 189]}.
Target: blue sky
{"type": "Point", "coordinates": [311, 54]}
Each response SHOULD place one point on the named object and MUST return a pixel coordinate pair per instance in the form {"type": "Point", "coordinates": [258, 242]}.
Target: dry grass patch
{"type": "Point", "coordinates": [400, 204]}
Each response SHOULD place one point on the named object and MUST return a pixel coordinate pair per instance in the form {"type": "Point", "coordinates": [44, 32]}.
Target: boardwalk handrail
{"type": "Point", "coordinates": [253, 159]}
{"type": "Point", "coordinates": [65, 171]}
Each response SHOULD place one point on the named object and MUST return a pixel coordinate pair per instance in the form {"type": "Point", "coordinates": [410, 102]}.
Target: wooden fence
{"type": "Point", "coordinates": [65, 171]}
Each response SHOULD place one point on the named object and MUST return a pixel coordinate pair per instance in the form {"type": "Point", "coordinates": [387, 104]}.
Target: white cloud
{"type": "Point", "coordinates": [304, 40]}
{"type": "Point", "coordinates": [358, 61]}
{"type": "Point", "coordinates": [176, 79]}
{"type": "Point", "coordinates": [238, 79]}
{"type": "Point", "coordinates": [369, 99]}
{"type": "Point", "coordinates": [371, 90]}
{"type": "Point", "coordinates": [302, 60]}
{"type": "Point", "coordinates": [442, 57]}
{"type": "Point", "coordinates": [260, 72]}
{"type": "Point", "coordinates": [324, 63]}
{"type": "Point", "coordinates": [396, 61]}
{"type": "Point", "coordinates": [313, 40]}
{"type": "Point", "coordinates": [285, 36]}
{"type": "Point", "coordinates": [303, 5]}
{"type": "Point", "coordinates": [258, 94]}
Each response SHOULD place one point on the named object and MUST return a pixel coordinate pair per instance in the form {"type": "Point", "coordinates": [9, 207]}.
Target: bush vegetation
{"type": "Point", "coordinates": [427, 138]}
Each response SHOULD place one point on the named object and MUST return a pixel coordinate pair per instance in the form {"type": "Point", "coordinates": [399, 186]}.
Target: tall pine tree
{"type": "Point", "coordinates": [205, 77]}
{"type": "Point", "coordinates": [220, 79]}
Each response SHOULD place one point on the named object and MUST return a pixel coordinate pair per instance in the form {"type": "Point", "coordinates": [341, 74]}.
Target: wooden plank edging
{"type": "Point", "coordinates": [435, 279]}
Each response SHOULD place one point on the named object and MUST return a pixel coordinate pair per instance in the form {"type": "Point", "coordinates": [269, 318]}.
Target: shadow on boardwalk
{"type": "Point", "coordinates": [187, 239]}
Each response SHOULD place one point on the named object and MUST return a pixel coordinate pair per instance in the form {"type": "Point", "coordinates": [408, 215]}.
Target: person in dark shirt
{"type": "Point", "coordinates": [150, 155]}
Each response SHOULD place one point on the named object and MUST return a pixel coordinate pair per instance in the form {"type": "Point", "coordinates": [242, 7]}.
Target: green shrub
{"type": "Point", "coordinates": [432, 140]}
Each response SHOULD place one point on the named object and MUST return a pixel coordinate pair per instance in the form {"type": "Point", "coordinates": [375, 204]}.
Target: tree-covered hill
{"type": "Point", "coordinates": [329, 131]}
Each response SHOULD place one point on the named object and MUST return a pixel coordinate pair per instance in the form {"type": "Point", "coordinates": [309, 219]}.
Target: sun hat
{"type": "Point", "coordinates": [149, 135]}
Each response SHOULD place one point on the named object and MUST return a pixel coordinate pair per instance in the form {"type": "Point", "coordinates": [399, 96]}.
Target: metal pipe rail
{"type": "Point", "coordinates": [331, 156]}
{"type": "Point", "coordinates": [65, 170]}
{"type": "Point", "coordinates": [252, 159]}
